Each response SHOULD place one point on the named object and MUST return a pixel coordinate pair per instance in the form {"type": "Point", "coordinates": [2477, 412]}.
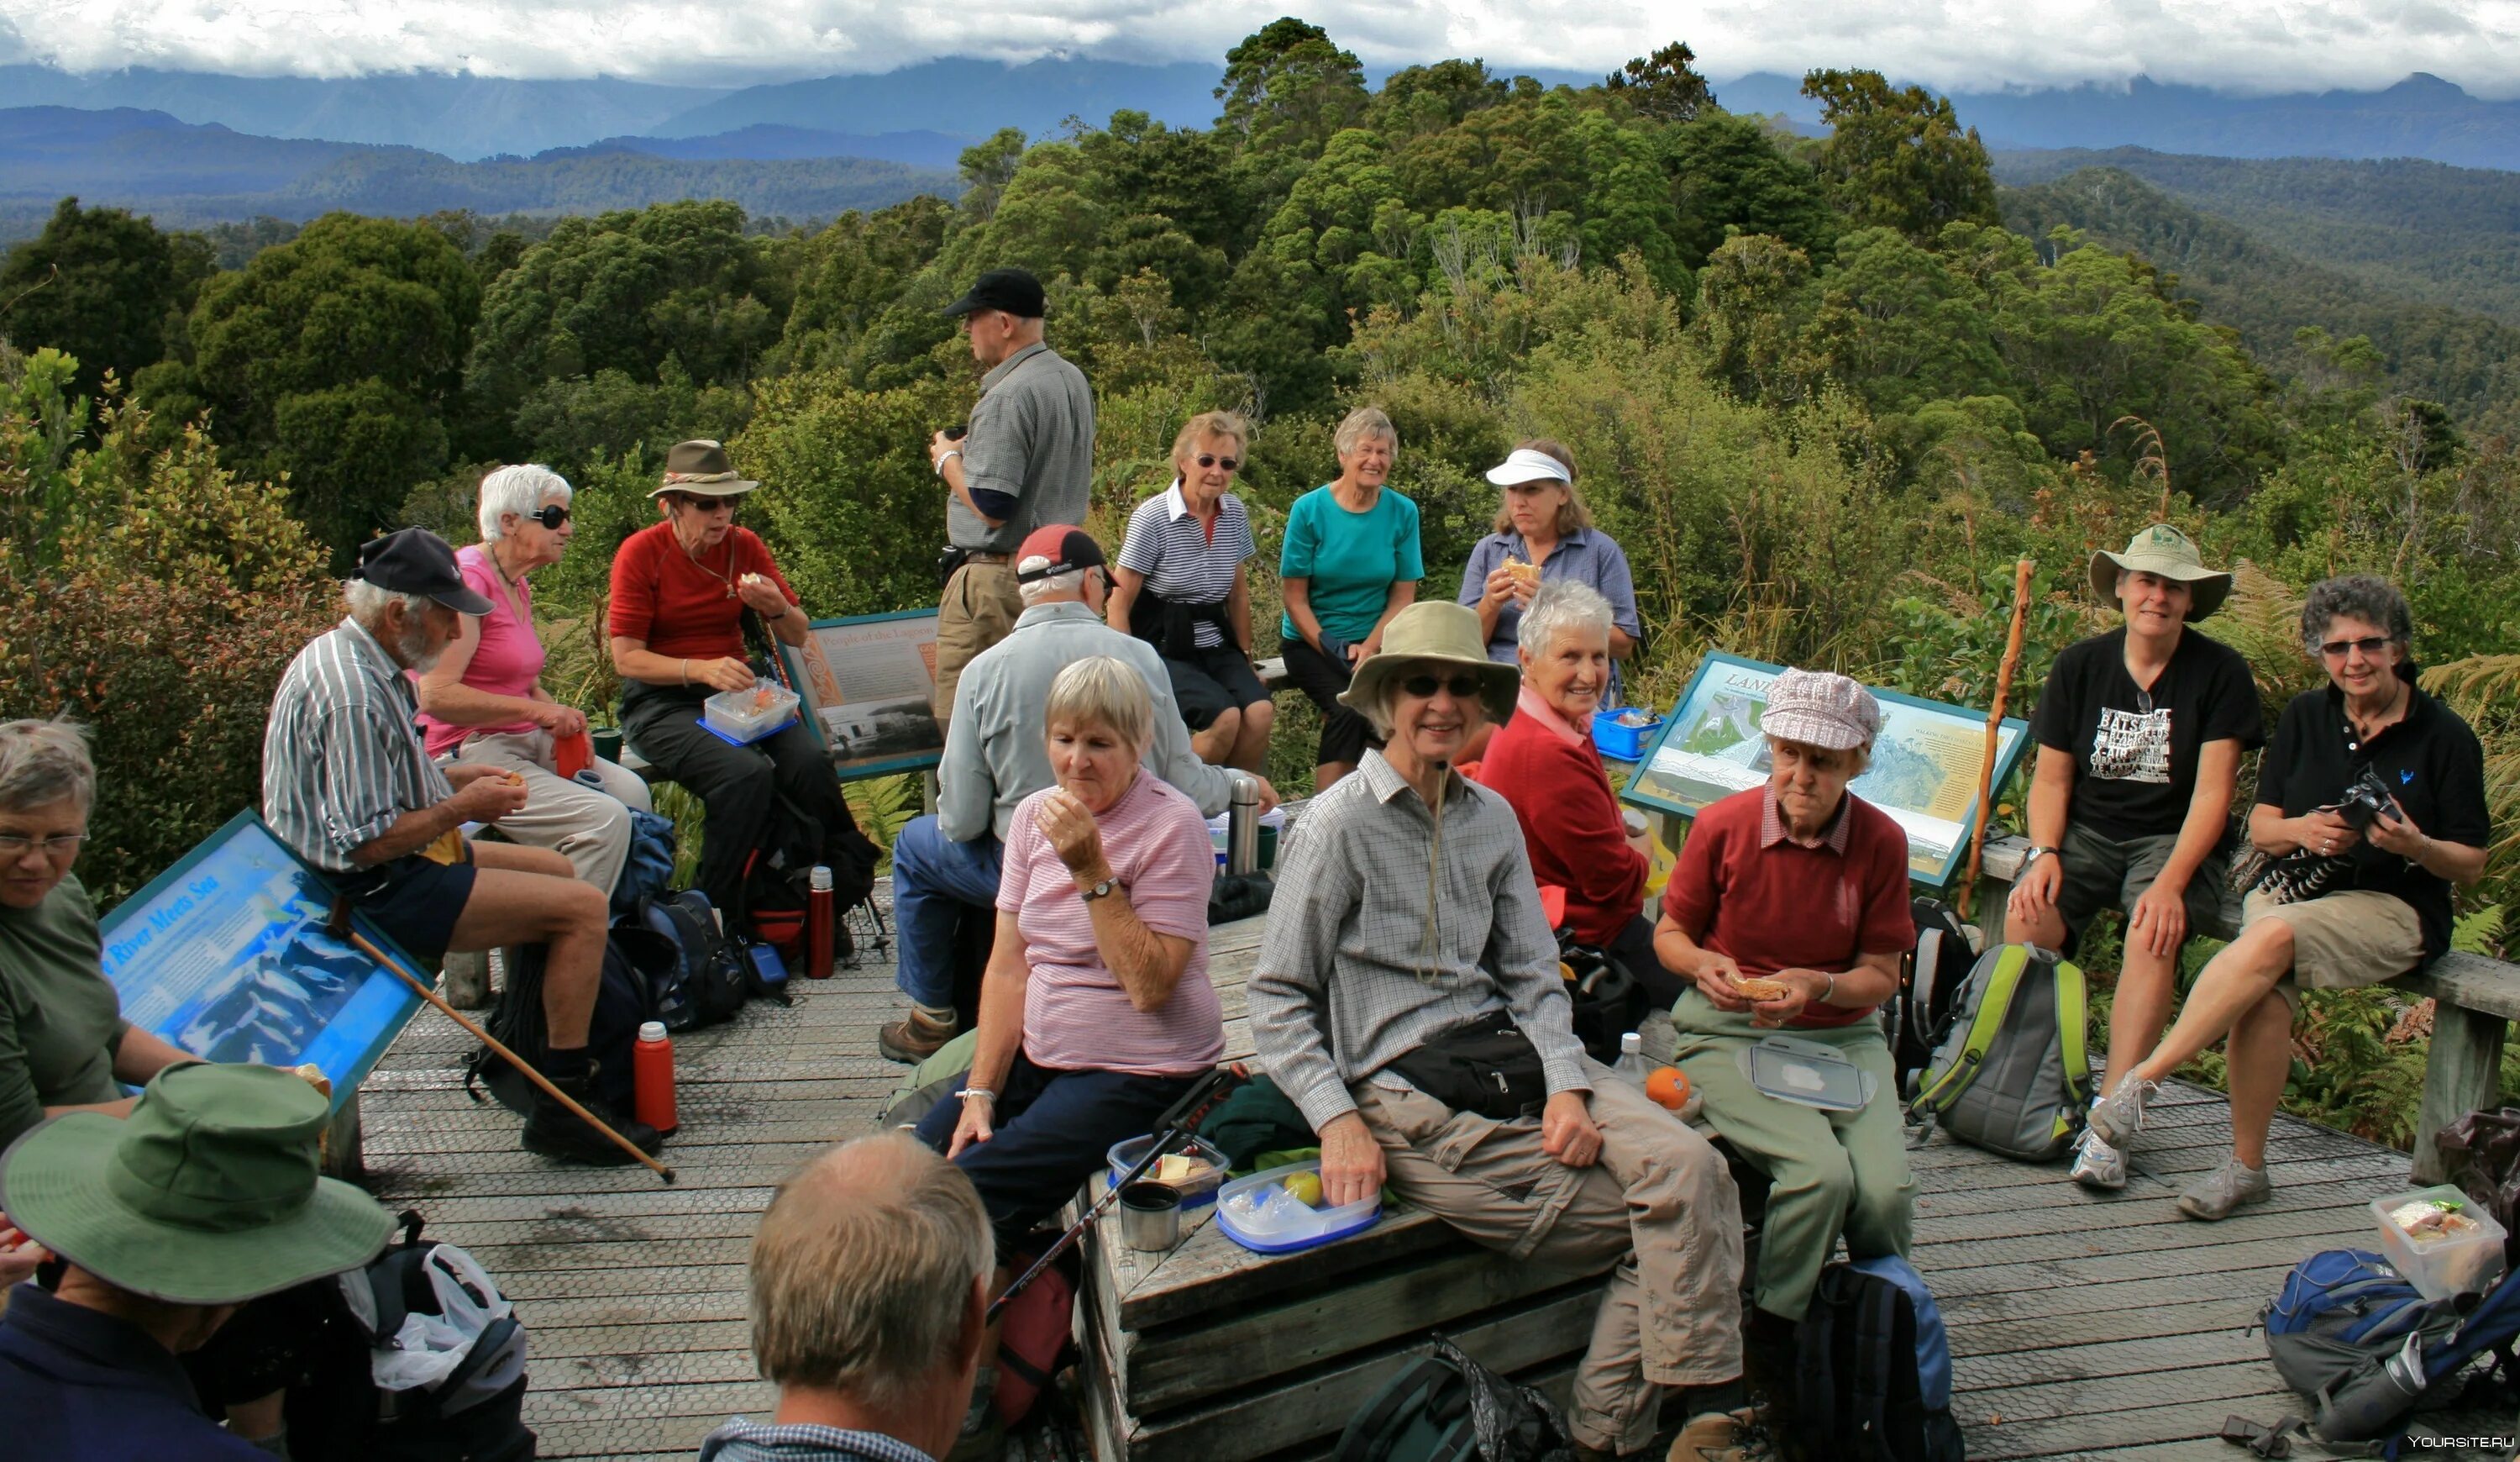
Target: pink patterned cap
{"type": "Point", "coordinates": [1819, 709]}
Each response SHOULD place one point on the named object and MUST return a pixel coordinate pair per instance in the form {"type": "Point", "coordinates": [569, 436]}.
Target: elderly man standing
{"type": "Point", "coordinates": [347, 785]}
{"type": "Point", "coordinates": [204, 1198]}
{"type": "Point", "coordinates": [995, 758]}
{"type": "Point", "coordinates": [1374, 991]}
{"type": "Point", "coordinates": [870, 1287]}
{"type": "Point", "coordinates": [1026, 461]}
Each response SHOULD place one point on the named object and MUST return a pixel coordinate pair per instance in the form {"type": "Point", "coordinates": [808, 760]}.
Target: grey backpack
{"type": "Point", "coordinates": [2010, 1073]}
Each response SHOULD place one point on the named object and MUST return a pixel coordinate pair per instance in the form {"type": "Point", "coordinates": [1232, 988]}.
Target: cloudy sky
{"type": "Point", "coordinates": [2238, 45]}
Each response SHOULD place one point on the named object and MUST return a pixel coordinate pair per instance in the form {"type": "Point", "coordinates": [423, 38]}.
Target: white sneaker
{"type": "Point", "coordinates": [2098, 1166]}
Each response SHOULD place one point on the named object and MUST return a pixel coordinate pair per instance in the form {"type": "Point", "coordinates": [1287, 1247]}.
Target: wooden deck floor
{"type": "Point", "coordinates": [2081, 1325]}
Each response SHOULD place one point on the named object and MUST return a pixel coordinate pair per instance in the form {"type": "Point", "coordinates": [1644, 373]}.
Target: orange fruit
{"type": "Point", "coordinates": [1668, 1085]}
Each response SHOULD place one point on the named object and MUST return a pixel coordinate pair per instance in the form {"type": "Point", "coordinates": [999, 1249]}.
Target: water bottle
{"type": "Point", "coordinates": [1631, 1067]}
{"type": "Point", "coordinates": [651, 1078]}
{"type": "Point", "coordinates": [818, 923]}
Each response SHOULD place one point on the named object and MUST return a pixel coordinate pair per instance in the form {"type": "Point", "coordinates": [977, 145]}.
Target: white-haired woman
{"type": "Point", "coordinates": [484, 703]}
{"type": "Point", "coordinates": [1096, 1012]}
{"type": "Point", "coordinates": [1350, 562]}
{"type": "Point", "coordinates": [1789, 909]}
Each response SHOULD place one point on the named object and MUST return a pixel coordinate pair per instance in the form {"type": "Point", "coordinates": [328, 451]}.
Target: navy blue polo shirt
{"type": "Point", "coordinates": [77, 1385]}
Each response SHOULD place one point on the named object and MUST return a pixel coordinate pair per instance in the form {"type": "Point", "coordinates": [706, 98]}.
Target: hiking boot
{"type": "Point", "coordinates": [1722, 1437]}
{"type": "Point", "coordinates": [2119, 1115]}
{"type": "Point", "coordinates": [2098, 1166]}
{"type": "Point", "coordinates": [915, 1037]}
{"type": "Point", "coordinates": [554, 1131]}
{"type": "Point", "coordinates": [2215, 1195]}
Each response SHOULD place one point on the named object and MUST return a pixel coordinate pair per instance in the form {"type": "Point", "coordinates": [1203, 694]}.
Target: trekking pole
{"type": "Point", "coordinates": [1993, 731]}
{"type": "Point", "coordinates": [341, 926]}
{"type": "Point", "coordinates": [1184, 1118]}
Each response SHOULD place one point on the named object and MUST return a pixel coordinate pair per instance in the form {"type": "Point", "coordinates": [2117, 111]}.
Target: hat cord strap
{"type": "Point", "coordinates": [1429, 948]}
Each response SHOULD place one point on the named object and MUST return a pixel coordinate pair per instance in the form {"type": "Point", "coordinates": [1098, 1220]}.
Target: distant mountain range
{"type": "Point", "coordinates": [465, 116]}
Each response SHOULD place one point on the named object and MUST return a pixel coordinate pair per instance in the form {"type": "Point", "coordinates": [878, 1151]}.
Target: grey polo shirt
{"type": "Point", "coordinates": [341, 758]}
{"type": "Point", "coordinates": [1030, 451]}
{"type": "Point", "coordinates": [994, 753]}
{"type": "Point", "coordinates": [1346, 982]}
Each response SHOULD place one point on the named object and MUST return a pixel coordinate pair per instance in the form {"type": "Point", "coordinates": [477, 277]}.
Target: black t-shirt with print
{"type": "Point", "coordinates": [2135, 752]}
{"type": "Point", "coordinates": [2431, 762]}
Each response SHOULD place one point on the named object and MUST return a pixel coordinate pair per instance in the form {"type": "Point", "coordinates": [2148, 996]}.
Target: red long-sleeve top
{"type": "Point", "coordinates": [1570, 821]}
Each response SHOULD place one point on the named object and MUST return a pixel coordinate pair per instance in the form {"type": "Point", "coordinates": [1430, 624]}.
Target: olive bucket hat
{"type": "Point", "coordinates": [701, 468]}
{"type": "Point", "coordinates": [1435, 633]}
{"type": "Point", "coordinates": [2166, 551]}
{"type": "Point", "coordinates": [207, 1194]}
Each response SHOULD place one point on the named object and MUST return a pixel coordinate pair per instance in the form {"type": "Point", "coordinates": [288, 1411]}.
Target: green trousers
{"type": "Point", "coordinates": [1831, 1172]}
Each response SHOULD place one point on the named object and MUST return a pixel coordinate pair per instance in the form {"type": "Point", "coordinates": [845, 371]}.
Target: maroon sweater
{"type": "Point", "coordinates": [1570, 824]}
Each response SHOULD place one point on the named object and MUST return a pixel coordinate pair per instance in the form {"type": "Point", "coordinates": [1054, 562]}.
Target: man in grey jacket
{"type": "Point", "coordinates": [996, 756]}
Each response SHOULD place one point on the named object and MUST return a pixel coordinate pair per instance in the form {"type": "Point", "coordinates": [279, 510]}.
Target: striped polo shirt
{"type": "Point", "coordinates": [341, 760]}
{"type": "Point", "coordinates": [1168, 544]}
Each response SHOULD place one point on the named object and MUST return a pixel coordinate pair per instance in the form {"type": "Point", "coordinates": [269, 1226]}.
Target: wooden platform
{"type": "Point", "coordinates": [2082, 1325]}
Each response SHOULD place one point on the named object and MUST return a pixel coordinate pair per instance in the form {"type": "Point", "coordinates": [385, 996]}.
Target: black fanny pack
{"type": "Point", "coordinates": [1486, 1066]}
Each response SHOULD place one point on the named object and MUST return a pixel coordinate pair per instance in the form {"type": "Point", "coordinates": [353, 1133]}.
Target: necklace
{"type": "Point", "coordinates": [515, 587]}
{"type": "Point", "coordinates": [728, 577]}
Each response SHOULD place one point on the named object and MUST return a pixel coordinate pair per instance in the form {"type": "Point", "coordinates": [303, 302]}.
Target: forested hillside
{"type": "Point", "coordinates": [1817, 389]}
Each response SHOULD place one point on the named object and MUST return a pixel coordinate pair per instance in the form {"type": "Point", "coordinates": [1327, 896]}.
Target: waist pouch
{"type": "Point", "coordinates": [1486, 1066]}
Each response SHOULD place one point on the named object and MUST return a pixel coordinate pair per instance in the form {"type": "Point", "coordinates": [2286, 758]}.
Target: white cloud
{"type": "Point", "coordinates": [2240, 45]}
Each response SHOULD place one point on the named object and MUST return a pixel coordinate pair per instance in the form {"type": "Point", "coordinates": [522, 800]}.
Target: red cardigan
{"type": "Point", "coordinates": [1570, 823]}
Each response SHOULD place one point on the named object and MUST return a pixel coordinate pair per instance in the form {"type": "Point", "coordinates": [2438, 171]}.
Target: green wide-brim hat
{"type": "Point", "coordinates": [207, 1194]}
{"type": "Point", "coordinates": [2166, 551]}
{"type": "Point", "coordinates": [1434, 632]}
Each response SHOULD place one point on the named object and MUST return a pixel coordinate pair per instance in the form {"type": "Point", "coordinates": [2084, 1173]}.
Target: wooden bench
{"type": "Point", "coordinates": [1208, 1352]}
{"type": "Point", "coordinates": [2474, 1001]}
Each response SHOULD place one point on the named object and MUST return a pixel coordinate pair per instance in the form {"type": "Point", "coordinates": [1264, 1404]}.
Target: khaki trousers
{"type": "Point", "coordinates": [979, 609]}
{"type": "Point", "coordinates": [589, 828]}
{"type": "Point", "coordinates": [1658, 1205]}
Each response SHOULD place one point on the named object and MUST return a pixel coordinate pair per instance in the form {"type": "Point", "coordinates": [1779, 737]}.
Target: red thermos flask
{"type": "Point", "coordinates": [818, 923]}
{"type": "Point", "coordinates": [651, 1078]}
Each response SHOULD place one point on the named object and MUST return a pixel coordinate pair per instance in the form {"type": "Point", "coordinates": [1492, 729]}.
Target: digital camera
{"type": "Point", "coordinates": [2364, 801]}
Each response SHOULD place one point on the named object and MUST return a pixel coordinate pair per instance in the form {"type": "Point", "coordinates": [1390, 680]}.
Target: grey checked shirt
{"type": "Point", "coordinates": [746, 1441]}
{"type": "Point", "coordinates": [995, 753]}
{"type": "Point", "coordinates": [341, 758]}
{"type": "Point", "coordinates": [1344, 985]}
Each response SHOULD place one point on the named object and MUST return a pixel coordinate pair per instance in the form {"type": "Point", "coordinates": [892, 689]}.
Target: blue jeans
{"type": "Point", "coordinates": [933, 877]}
{"type": "Point", "coordinates": [1053, 1130]}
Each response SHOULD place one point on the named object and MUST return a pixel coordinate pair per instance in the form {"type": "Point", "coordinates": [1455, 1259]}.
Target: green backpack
{"type": "Point", "coordinates": [2010, 1073]}
{"type": "Point", "coordinates": [1446, 1407]}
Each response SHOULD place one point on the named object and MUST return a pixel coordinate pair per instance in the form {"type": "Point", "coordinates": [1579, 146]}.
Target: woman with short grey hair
{"type": "Point", "coordinates": [482, 704]}
{"type": "Point", "coordinates": [2370, 811]}
{"type": "Point", "coordinates": [1351, 561]}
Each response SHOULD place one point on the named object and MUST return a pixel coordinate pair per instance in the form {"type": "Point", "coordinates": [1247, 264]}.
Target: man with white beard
{"type": "Point", "coordinates": [347, 785]}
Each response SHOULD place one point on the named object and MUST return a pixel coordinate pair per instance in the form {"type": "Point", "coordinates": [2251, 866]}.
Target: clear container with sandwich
{"type": "Point", "coordinates": [2442, 1240]}
{"type": "Point", "coordinates": [743, 717]}
{"type": "Point", "coordinates": [1195, 1171]}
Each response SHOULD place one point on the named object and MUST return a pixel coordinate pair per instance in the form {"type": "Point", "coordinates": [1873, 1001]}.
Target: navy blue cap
{"type": "Point", "coordinates": [416, 561]}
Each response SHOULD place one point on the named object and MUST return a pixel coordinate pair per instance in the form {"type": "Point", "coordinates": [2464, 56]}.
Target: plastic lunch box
{"type": "Point", "coordinates": [1327, 1225]}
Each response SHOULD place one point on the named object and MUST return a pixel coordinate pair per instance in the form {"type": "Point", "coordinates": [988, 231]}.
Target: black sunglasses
{"type": "Point", "coordinates": [1463, 687]}
{"type": "Point", "coordinates": [2370, 645]}
{"type": "Point", "coordinates": [550, 517]}
{"type": "Point", "coordinates": [1210, 459]}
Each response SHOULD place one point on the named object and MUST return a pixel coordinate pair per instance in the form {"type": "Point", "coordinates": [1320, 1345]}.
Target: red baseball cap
{"type": "Point", "coordinates": [1056, 548]}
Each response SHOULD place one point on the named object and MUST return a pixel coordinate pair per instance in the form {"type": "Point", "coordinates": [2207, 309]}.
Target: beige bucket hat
{"type": "Point", "coordinates": [1435, 633]}
{"type": "Point", "coordinates": [2166, 551]}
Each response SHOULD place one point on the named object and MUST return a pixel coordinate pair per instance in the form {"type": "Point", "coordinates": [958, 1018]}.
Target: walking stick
{"type": "Point", "coordinates": [1994, 730]}
{"type": "Point", "coordinates": [343, 927]}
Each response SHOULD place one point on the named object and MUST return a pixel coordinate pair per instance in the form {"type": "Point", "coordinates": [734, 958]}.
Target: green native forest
{"type": "Point", "coordinates": [1825, 389]}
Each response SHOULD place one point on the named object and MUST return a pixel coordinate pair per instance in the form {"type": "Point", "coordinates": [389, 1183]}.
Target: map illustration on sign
{"type": "Point", "coordinates": [228, 955]}
{"type": "Point", "coordinates": [869, 687]}
{"type": "Point", "coordinates": [1925, 763]}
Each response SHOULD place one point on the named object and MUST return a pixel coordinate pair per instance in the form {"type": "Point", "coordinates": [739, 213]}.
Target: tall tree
{"type": "Point", "coordinates": [1287, 90]}
{"type": "Point", "coordinates": [1664, 86]}
{"type": "Point", "coordinates": [104, 286]}
{"type": "Point", "coordinates": [1898, 156]}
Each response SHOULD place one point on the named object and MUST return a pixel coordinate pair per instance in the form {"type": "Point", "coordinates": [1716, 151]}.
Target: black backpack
{"type": "Point", "coordinates": [1929, 995]}
{"type": "Point", "coordinates": [635, 963]}
{"type": "Point", "coordinates": [771, 900]}
{"type": "Point", "coordinates": [1446, 1407]}
{"type": "Point", "coordinates": [1607, 1000]}
{"type": "Point", "coordinates": [1873, 1372]}
{"type": "Point", "coordinates": [708, 979]}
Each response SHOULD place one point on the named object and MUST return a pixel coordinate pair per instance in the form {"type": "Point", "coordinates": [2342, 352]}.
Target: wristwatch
{"type": "Point", "coordinates": [2037, 852]}
{"type": "Point", "coordinates": [1102, 890]}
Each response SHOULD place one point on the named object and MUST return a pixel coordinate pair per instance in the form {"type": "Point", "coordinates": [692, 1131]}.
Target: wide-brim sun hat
{"type": "Point", "coordinates": [207, 1194]}
{"type": "Point", "coordinates": [2166, 551]}
{"type": "Point", "coordinates": [701, 466]}
{"type": "Point", "coordinates": [1434, 634]}
{"type": "Point", "coordinates": [1819, 709]}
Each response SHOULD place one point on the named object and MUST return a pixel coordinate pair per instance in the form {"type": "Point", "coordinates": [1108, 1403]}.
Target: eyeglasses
{"type": "Point", "coordinates": [1463, 687]}
{"type": "Point", "coordinates": [1210, 459]}
{"type": "Point", "coordinates": [2370, 645]}
{"type": "Point", "coordinates": [14, 845]}
{"type": "Point", "coordinates": [550, 517]}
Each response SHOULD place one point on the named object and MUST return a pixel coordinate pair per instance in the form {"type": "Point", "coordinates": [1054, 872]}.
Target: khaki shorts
{"type": "Point", "coordinates": [979, 609]}
{"type": "Point", "coordinates": [2342, 940]}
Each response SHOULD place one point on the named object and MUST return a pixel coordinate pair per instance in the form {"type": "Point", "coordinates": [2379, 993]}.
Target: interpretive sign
{"type": "Point", "coordinates": [1923, 773]}
{"type": "Point", "coordinates": [869, 687]}
{"type": "Point", "coordinates": [228, 955]}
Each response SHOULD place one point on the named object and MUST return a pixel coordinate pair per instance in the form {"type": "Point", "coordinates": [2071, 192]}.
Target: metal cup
{"type": "Point", "coordinates": [1150, 1216]}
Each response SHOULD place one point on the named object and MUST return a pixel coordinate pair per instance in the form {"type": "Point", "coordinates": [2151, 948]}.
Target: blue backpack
{"type": "Point", "coordinates": [1873, 1375]}
{"type": "Point", "coordinates": [2350, 1332]}
{"type": "Point", "coordinates": [649, 869]}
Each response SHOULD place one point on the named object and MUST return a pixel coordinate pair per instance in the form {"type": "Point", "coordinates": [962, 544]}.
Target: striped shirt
{"type": "Point", "coordinates": [1183, 561]}
{"type": "Point", "coordinates": [341, 760]}
{"type": "Point", "coordinates": [1344, 985]}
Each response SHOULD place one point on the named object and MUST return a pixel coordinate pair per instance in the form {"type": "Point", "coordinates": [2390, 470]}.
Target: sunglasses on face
{"type": "Point", "coordinates": [1210, 459]}
{"type": "Point", "coordinates": [1463, 687]}
{"type": "Point", "coordinates": [2370, 645]}
{"type": "Point", "coordinates": [550, 517]}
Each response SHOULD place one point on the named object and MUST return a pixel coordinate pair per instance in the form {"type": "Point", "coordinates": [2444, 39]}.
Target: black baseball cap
{"type": "Point", "coordinates": [1062, 548]}
{"type": "Point", "coordinates": [1013, 291]}
{"type": "Point", "coordinates": [416, 561]}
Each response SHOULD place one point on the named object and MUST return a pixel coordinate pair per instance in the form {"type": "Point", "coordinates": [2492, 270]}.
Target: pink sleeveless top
{"type": "Point", "coordinates": [508, 661]}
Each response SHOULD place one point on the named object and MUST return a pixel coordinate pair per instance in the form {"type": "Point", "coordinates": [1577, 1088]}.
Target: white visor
{"type": "Point", "coordinates": [1523, 465]}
